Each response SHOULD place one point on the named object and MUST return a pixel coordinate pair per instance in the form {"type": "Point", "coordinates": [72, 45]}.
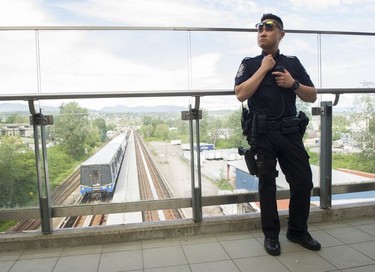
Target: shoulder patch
{"type": "Point", "coordinates": [291, 57]}
{"type": "Point", "coordinates": [241, 69]}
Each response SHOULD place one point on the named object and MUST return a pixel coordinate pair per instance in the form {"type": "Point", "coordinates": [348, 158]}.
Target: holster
{"type": "Point", "coordinates": [249, 159]}
{"type": "Point", "coordinates": [303, 122]}
{"type": "Point", "coordinates": [246, 121]}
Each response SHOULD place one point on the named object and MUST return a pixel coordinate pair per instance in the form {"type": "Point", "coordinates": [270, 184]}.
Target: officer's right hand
{"type": "Point", "coordinates": [268, 62]}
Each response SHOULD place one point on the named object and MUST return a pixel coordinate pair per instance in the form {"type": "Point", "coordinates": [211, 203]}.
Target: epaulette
{"type": "Point", "coordinates": [290, 57]}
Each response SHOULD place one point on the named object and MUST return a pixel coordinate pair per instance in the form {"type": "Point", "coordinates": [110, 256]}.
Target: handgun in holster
{"type": "Point", "coordinates": [250, 159]}
{"type": "Point", "coordinates": [250, 153]}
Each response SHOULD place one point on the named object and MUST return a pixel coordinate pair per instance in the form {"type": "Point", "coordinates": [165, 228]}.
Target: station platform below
{"type": "Point", "coordinates": [226, 243]}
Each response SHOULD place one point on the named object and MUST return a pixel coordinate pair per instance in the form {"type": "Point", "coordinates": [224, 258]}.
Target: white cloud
{"type": "Point", "coordinates": [23, 12]}
{"type": "Point", "coordinates": [319, 5]}
{"type": "Point", "coordinates": [81, 66]}
{"type": "Point", "coordinates": [163, 12]}
{"type": "Point", "coordinates": [204, 70]}
{"type": "Point", "coordinates": [315, 4]}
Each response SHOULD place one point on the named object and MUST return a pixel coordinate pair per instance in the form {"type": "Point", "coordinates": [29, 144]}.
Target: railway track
{"type": "Point", "coordinates": [86, 220]}
{"type": "Point", "coordinates": [58, 197]}
{"type": "Point", "coordinates": [66, 189]}
{"type": "Point", "coordinates": [152, 187]}
{"type": "Point", "coordinates": [152, 184]}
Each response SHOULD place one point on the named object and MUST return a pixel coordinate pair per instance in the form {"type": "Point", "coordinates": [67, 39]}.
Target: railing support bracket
{"type": "Point", "coordinates": [39, 120]}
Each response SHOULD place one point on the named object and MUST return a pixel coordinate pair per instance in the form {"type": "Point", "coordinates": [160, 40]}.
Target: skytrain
{"type": "Point", "coordinates": [99, 173]}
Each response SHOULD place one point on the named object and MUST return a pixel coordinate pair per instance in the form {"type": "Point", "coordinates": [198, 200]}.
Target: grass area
{"type": "Point", "coordinates": [224, 185]}
{"type": "Point", "coordinates": [5, 225]}
{"type": "Point", "coordinates": [348, 161]}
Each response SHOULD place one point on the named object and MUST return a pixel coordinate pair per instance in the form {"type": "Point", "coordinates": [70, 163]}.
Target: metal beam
{"type": "Point", "coordinates": [172, 28]}
{"type": "Point", "coordinates": [150, 93]}
{"type": "Point", "coordinates": [176, 203]}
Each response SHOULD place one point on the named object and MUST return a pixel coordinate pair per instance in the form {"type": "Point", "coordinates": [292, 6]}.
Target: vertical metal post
{"type": "Point", "coordinates": [192, 164]}
{"type": "Point", "coordinates": [326, 155]}
{"type": "Point", "coordinates": [196, 188]}
{"type": "Point", "coordinates": [37, 119]}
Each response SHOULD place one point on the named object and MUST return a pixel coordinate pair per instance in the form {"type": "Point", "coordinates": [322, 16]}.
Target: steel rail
{"type": "Point", "coordinates": [176, 28]}
{"type": "Point", "coordinates": [153, 93]}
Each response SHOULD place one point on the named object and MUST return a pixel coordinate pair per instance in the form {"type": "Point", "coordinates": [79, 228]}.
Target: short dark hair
{"type": "Point", "coordinates": [272, 17]}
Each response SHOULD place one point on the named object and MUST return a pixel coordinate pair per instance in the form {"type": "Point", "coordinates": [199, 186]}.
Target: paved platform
{"type": "Point", "coordinates": [347, 245]}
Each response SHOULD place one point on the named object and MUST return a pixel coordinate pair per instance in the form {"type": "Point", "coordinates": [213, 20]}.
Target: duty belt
{"type": "Point", "coordinates": [285, 124]}
{"type": "Point", "coordinates": [273, 124]}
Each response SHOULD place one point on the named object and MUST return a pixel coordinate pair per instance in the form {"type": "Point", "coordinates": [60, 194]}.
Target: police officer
{"type": "Point", "coordinates": [270, 83]}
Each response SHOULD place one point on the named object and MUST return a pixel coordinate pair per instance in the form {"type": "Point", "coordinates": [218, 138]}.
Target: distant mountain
{"type": "Point", "coordinates": [122, 108]}
{"type": "Point", "coordinates": [13, 107]}
{"type": "Point", "coordinates": [18, 107]}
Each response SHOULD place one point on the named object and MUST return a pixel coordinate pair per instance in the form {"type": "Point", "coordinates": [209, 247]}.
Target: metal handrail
{"type": "Point", "coordinates": [155, 93]}
{"type": "Point", "coordinates": [175, 203]}
{"type": "Point", "coordinates": [194, 29]}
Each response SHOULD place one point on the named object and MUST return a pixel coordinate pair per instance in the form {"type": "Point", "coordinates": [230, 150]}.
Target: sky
{"type": "Point", "coordinates": [87, 61]}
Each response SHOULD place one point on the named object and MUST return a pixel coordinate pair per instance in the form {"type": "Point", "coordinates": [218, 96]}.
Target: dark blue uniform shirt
{"type": "Point", "coordinates": [269, 99]}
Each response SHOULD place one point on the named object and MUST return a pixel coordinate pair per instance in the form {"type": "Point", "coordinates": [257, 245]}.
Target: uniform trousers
{"type": "Point", "coordinates": [289, 151]}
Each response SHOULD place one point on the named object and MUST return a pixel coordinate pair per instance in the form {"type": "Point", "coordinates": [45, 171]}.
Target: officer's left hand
{"type": "Point", "coordinates": [283, 79]}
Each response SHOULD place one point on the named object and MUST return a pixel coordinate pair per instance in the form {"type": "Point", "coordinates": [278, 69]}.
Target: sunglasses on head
{"type": "Point", "coordinates": [267, 24]}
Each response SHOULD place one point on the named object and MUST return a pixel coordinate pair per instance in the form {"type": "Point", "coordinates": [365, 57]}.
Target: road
{"type": "Point", "coordinates": [177, 172]}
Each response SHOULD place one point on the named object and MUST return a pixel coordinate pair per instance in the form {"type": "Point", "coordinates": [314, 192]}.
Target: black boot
{"type": "Point", "coordinates": [306, 241]}
{"type": "Point", "coordinates": [272, 245]}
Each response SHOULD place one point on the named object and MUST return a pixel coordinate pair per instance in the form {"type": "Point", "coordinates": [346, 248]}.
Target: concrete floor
{"type": "Point", "coordinates": [347, 245]}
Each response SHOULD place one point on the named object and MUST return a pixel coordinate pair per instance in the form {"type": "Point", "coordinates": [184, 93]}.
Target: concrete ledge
{"type": "Point", "coordinates": [168, 229]}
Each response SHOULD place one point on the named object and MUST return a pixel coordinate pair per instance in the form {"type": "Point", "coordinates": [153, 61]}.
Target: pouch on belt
{"type": "Point", "coordinates": [290, 125]}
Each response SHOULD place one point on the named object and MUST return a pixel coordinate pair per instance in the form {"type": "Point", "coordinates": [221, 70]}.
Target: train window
{"type": "Point", "coordinates": [95, 173]}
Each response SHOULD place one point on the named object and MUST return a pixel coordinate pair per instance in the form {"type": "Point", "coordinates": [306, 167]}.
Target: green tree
{"type": "Point", "coordinates": [161, 132]}
{"type": "Point", "coordinates": [204, 127]}
{"type": "Point", "coordinates": [214, 126]}
{"type": "Point", "coordinates": [22, 119]}
{"type": "Point", "coordinates": [59, 165]}
{"type": "Point", "coordinates": [147, 120]}
{"type": "Point", "coordinates": [147, 131]}
{"type": "Point", "coordinates": [183, 128]}
{"type": "Point", "coordinates": [17, 173]}
{"type": "Point", "coordinates": [236, 138]}
{"type": "Point", "coordinates": [154, 127]}
{"type": "Point", "coordinates": [11, 119]}
{"type": "Point", "coordinates": [364, 107]}
{"type": "Point", "coordinates": [111, 126]}
{"type": "Point", "coordinates": [102, 126]}
{"type": "Point", "coordinates": [340, 125]}
{"type": "Point", "coordinates": [93, 137]}
{"type": "Point", "coordinates": [71, 128]}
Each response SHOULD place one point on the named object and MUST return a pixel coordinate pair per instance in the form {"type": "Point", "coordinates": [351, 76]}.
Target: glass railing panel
{"type": "Point", "coordinates": [352, 147]}
{"type": "Point", "coordinates": [153, 136]}
{"type": "Point", "coordinates": [18, 62]}
{"type": "Point", "coordinates": [80, 61]}
{"type": "Point", "coordinates": [345, 61]}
